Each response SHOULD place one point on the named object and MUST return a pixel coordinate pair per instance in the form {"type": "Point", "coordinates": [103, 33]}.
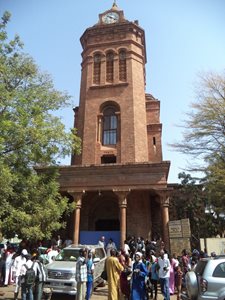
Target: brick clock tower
{"type": "Point", "coordinates": [119, 181]}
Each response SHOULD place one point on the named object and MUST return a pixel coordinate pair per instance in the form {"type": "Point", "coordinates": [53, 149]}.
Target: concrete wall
{"type": "Point", "coordinates": [213, 245]}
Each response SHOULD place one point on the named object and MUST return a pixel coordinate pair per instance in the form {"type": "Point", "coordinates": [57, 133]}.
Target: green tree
{"type": "Point", "coordinates": [204, 129]}
{"type": "Point", "coordinates": [30, 135]}
{"type": "Point", "coordinates": [215, 190]}
{"type": "Point", "coordinates": [189, 200]}
{"type": "Point", "coordinates": [204, 139]}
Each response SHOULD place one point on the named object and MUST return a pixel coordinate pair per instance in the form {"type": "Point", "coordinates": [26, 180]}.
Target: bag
{"type": "Point", "coordinates": [104, 275]}
{"type": "Point", "coordinates": [127, 271]}
{"type": "Point", "coordinates": [29, 277]}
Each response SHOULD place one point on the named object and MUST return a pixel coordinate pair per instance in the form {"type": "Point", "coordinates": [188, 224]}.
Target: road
{"type": "Point", "coordinates": [7, 293]}
{"type": "Point", "coordinates": [99, 294]}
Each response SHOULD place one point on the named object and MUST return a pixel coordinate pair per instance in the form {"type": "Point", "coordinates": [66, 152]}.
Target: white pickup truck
{"type": "Point", "coordinates": [61, 272]}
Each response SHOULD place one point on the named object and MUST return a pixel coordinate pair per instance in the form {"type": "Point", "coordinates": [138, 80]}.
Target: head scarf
{"type": "Point", "coordinates": [24, 252]}
{"type": "Point", "coordinates": [139, 254]}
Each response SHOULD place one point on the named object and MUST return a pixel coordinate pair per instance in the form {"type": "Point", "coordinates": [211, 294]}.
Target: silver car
{"type": "Point", "coordinates": [61, 272]}
{"type": "Point", "coordinates": [207, 281]}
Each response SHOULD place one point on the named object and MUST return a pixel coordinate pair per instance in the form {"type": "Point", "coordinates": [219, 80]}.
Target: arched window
{"type": "Point", "coordinates": [97, 69]}
{"type": "Point", "coordinates": [122, 66]}
{"type": "Point", "coordinates": [109, 132]}
{"type": "Point", "coordinates": [109, 66]}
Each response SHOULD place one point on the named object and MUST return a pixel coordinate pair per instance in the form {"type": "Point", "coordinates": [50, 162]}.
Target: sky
{"type": "Point", "coordinates": [183, 38]}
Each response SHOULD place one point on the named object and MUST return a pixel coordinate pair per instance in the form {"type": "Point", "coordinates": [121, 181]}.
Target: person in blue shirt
{"type": "Point", "coordinates": [90, 277]}
{"type": "Point", "coordinates": [138, 291]}
{"type": "Point", "coordinates": [154, 278]}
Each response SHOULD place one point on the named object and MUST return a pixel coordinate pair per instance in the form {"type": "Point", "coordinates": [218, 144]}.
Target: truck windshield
{"type": "Point", "coordinates": [68, 255]}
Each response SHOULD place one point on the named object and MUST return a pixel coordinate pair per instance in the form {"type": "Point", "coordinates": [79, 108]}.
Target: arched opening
{"type": "Point", "coordinates": [99, 216]}
{"type": "Point", "coordinates": [104, 215]}
{"type": "Point", "coordinates": [107, 225]}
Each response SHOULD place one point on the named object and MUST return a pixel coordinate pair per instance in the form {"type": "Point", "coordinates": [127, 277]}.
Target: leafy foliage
{"type": "Point", "coordinates": [30, 135]}
{"type": "Point", "coordinates": [204, 138]}
{"type": "Point", "coordinates": [204, 134]}
{"type": "Point", "coordinates": [215, 190]}
{"type": "Point", "coordinates": [189, 201]}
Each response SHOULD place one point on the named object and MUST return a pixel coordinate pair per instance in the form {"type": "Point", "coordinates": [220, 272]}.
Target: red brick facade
{"type": "Point", "coordinates": [120, 180]}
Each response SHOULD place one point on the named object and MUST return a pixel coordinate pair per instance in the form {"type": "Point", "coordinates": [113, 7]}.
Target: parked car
{"type": "Point", "coordinates": [206, 281]}
{"type": "Point", "coordinates": [61, 272]}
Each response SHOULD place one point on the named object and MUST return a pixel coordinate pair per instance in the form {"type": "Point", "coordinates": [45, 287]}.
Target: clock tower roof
{"type": "Point", "coordinates": [114, 6]}
{"type": "Point", "coordinates": [112, 22]}
{"type": "Point", "coordinates": [111, 16]}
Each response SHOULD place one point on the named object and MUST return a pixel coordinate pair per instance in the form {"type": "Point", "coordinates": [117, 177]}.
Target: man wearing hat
{"type": "Point", "coordinates": [17, 265]}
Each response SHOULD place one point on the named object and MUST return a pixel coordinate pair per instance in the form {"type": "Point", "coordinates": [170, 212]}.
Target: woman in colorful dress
{"type": "Point", "coordinates": [173, 265]}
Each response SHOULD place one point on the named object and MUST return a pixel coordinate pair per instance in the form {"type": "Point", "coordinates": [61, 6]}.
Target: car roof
{"type": "Point", "coordinates": [81, 246]}
{"type": "Point", "coordinates": [221, 257]}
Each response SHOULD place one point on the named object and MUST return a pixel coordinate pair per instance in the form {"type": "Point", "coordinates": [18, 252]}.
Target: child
{"type": "Point", "coordinates": [179, 277]}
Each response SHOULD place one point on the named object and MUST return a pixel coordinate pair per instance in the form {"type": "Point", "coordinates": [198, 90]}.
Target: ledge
{"type": "Point", "coordinates": [106, 86]}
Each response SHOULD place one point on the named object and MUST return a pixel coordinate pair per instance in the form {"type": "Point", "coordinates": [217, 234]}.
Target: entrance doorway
{"type": "Point", "coordinates": [107, 225]}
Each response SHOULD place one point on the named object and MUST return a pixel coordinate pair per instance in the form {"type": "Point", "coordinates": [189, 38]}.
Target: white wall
{"type": "Point", "coordinates": [213, 245]}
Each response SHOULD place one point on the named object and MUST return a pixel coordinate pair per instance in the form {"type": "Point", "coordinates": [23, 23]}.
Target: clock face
{"type": "Point", "coordinates": [111, 17]}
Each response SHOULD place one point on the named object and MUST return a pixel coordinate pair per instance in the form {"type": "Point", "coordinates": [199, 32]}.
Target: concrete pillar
{"type": "Point", "coordinates": [164, 201]}
{"type": "Point", "coordinates": [77, 197]}
{"type": "Point", "coordinates": [100, 122]}
{"type": "Point", "coordinates": [122, 197]}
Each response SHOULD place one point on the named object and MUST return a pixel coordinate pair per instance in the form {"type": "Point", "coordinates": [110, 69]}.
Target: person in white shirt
{"type": "Point", "coordinates": [9, 252]}
{"type": "Point", "coordinates": [41, 276]}
{"type": "Point", "coordinates": [81, 275]}
{"type": "Point", "coordinates": [126, 248]}
{"type": "Point", "coordinates": [17, 265]}
{"type": "Point", "coordinates": [27, 291]}
{"type": "Point", "coordinates": [52, 254]}
{"type": "Point", "coordinates": [111, 245]}
{"type": "Point", "coordinates": [164, 274]}
{"type": "Point", "coordinates": [59, 242]}
{"type": "Point", "coordinates": [101, 242]}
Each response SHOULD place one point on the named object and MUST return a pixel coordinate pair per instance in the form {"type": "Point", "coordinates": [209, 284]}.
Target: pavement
{"type": "Point", "coordinates": [101, 293]}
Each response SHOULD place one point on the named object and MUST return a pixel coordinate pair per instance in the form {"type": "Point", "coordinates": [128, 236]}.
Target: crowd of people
{"type": "Point", "coordinates": [17, 261]}
{"type": "Point", "coordinates": [135, 271]}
